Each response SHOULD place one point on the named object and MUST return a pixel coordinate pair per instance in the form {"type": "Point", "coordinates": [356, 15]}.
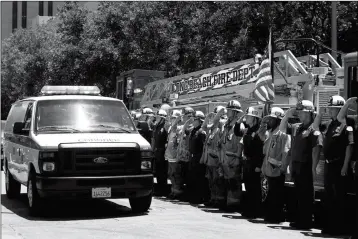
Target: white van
{"type": "Point", "coordinates": [73, 143]}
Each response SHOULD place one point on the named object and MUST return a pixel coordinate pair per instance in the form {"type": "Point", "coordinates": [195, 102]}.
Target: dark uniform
{"type": "Point", "coordinates": [145, 130]}
{"type": "Point", "coordinates": [334, 148]}
{"type": "Point", "coordinates": [197, 184]}
{"type": "Point", "coordinates": [355, 154]}
{"type": "Point", "coordinates": [252, 158]}
{"type": "Point", "coordinates": [160, 136]}
{"type": "Point", "coordinates": [301, 155]}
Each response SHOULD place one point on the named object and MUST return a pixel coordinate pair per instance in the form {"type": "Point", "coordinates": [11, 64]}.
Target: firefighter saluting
{"type": "Point", "coordinates": [230, 153]}
{"type": "Point", "coordinates": [160, 136]}
{"type": "Point", "coordinates": [197, 185]}
{"type": "Point", "coordinates": [211, 159]}
{"type": "Point", "coordinates": [305, 152]}
{"type": "Point", "coordinates": [337, 148]}
{"type": "Point", "coordinates": [252, 161]}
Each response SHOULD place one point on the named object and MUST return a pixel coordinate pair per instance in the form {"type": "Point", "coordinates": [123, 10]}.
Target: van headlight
{"type": "Point", "coordinates": [146, 165]}
{"type": "Point", "coordinates": [48, 166]}
{"type": "Point", "coordinates": [47, 161]}
{"type": "Point", "coordinates": [146, 160]}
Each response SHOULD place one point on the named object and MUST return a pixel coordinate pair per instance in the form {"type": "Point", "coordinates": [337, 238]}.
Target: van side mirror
{"type": "Point", "coordinates": [19, 128]}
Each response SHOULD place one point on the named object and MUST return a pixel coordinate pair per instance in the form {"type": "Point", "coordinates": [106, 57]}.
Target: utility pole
{"type": "Point", "coordinates": [334, 29]}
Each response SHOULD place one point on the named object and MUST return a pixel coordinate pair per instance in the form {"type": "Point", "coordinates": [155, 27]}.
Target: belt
{"type": "Point", "coordinates": [332, 161]}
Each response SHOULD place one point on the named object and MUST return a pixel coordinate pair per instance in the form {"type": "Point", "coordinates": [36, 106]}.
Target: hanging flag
{"type": "Point", "coordinates": [264, 87]}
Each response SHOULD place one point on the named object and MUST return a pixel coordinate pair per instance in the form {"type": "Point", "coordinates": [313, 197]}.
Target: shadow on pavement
{"type": "Point", "coordinates": [213, 211]}
{"type": "Point", "coordinates": [164, 199]}
{"type": "Point", "coordinates": [288, 228]}
{"type": "Point", "coordinates": [234, 217]}
{"type": "Point", "coordinates": [68, 210]}
{"type": "Point", "coordinates": [316, 234]}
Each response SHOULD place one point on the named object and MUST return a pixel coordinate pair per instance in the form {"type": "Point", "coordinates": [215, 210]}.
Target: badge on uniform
{"type": "Point", "coordinates": [229, 137]}
{"type": "Point", "coordinates": [253, 135]}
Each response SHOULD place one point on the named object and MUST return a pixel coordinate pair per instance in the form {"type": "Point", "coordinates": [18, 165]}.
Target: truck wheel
{"type": "Point", "coordinates": [13, 187]}
{"type": "Point", "coordinates": [34, 200]}
{"type": "Point", "coordinates": [141, 204]}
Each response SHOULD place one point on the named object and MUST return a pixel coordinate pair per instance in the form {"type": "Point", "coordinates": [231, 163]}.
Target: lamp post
{"type": "Point", "coordinates": [334, 29]}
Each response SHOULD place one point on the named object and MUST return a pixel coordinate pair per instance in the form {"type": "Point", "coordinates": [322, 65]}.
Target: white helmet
{"type": "Point", "coordinates": [199, 115]}
{"type": "Point", "coordinates": [253, 112]}
{"type": "Point", "coordinates": [277, 112]}
{"type": "Point", "coordinates": [336, 101]}
{"type": "Point", "coordinates": [176, 113]}
{"type": "Point", "coordinates": [162, 113]}
{"type": "Point", "coordinates": [147, 111]}
{"type": "Point", "coordinates": [305, 105]}
{"type": "Point", "coordinates": [165, 107]}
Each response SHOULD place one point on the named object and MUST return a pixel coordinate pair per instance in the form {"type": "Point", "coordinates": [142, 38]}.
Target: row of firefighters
{"type": "Point", "coordinates": [208, 163]}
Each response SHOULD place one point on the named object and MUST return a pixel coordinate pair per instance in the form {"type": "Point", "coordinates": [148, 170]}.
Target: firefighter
{"type": "Point", "coordinates": [174, 172]}
{"type": "Point", "coordinates": [305, 153]}
{"type": "Point", "coordinates": [230, 153]}
{"type": "Point", "coordinates": [342, 117]}
{"type": "Point", "coordinates": [183, 148]}
{"type": "Point", "coordinates": [144, 123]}
{"type": "Point", "coordinates": [160, 136]}
{"type": "Point", "coordinates": [211, 159]}
{"type": "Point", "coordinates": [197, 185]}
{"type": "Point", "coordinates": [337, 148]}
{"type": "Point", "coordinates": [276, 147]}
{"type": "Point", "coordinates": [252, 161]}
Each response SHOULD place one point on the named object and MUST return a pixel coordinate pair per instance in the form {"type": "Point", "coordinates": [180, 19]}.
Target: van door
{"type": "Point", "coordinates": [12, 144]}
{"type": "Point", "coordinates": [27, 150]}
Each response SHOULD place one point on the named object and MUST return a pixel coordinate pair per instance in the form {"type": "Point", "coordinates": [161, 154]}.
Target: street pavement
{"type": "Point", "coordinates": [113, 219]}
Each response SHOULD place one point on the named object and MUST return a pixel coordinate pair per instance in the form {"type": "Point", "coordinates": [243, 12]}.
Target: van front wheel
{"type": "Point", "coordinates": [141, 204]}
{"type": "Point", "coordinates": [12, 187]}
{"type": "Point", "coordinates": [33, 197]}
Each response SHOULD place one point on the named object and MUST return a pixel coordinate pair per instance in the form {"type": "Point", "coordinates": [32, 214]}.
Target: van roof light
{"type": "Point", "coordinates": [70, 90]}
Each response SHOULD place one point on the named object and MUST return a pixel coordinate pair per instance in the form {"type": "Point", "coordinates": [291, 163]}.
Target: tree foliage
{"type": "Point", "coordinates": [85, 48]}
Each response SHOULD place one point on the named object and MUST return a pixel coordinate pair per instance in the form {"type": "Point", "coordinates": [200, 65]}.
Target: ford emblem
{"type": "Point", "coordinates": [100, 160]}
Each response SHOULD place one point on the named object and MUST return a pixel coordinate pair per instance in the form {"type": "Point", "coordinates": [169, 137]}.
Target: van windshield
{"type": "Point", "coordinates": [82, 115]}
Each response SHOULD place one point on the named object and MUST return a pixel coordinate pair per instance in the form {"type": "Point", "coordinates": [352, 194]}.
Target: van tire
{"type": "Point", "coordinates": [12, 187]}
{"type": "Point", "coordinates": [33, 197]}
{"type": "Point", "coordinates": [141, 204]}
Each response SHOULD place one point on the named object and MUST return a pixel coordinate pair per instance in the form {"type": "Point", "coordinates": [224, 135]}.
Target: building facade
{"type": "Point", "coordinates": [24, 14]}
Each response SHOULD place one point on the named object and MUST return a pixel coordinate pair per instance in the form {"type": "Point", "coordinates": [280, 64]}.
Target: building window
{"type": "Point", "coordinates": [14, 16]}
{"type": "Point", "coordinates": [24, 14]}
{"type": "Point", "coordinates": [50, 8]}
{"type": "Point", "coordinates": [41, 8]}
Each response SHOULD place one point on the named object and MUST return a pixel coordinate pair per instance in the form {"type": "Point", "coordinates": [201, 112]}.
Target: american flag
{"type": "Point", "coordinates": [264, 87]}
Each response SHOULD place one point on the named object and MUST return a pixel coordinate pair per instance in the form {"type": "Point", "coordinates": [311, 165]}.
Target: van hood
{"type": "Point", "coordinates": [52, 141]}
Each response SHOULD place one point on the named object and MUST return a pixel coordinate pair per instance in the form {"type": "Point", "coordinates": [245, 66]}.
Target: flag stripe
{"type": "Point", "coordinates": [264, 87]}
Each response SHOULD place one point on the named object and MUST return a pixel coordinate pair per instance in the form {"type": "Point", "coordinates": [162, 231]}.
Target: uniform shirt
{"type": "Point", "coordinates": [183, 150]}
{"type": "Point", "coordinates": [230, 146]}
{"type": "Point", "coordinates": [336, 139]}
{"type": "Point", "coordinates": [211, 151]}
{"type": "Point", "coordinates": [302, 147]}
{"type": "Point", "coordinates": [253, 145]}
{"type": "Point", "coordinates": [160, 136]}
{"type": "Point", "coordinates": [172, 145]}
{"type": "Point", "coordinates": [276, 144]}
{"type": "Point", "coordinates": [196, 143]}
{"type": "Point", "coordinates": [145, 131]}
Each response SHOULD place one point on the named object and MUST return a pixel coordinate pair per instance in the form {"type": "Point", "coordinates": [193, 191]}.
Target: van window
{"type": "Point", "coordinates": [17, 114]}
{"type": "Point", "coordinates": [83, 115]}
{"type": "Point", "coordinates": [28, 117]}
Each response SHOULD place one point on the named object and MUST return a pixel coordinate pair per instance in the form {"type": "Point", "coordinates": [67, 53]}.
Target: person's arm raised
{"type": "Point", "coordinates": [284, 121]}
{"type": "Point", "coordinates": [341, 117]}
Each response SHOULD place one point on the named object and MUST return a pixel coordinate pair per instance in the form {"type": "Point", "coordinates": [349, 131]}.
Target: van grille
{"type": "Point", "coordinates": [81, 162]}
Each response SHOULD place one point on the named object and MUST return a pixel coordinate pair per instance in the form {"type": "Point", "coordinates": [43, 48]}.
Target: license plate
{"type": "Point", "coordinates": [101, 192]}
